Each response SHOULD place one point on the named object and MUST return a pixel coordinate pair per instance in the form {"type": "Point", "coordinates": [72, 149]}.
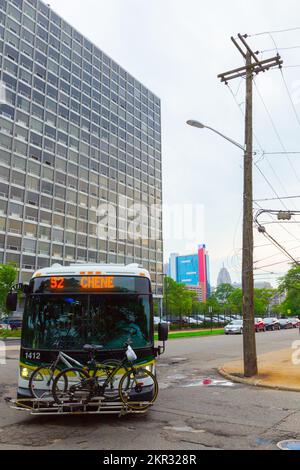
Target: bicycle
{"type": "Point", "coordinates": [41, 380]}
{"type": "Point", "coordinates": [137, 388]}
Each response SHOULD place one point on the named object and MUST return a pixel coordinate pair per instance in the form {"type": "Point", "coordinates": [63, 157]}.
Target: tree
{"type": "Point", "coordinates": [8, 276]}
{"type": "Point", "coordinates": [177, 299]}
{"type": "Point", "coordinates": [222, 293]}
{"type": "Point", "coordinates": [290, 284]}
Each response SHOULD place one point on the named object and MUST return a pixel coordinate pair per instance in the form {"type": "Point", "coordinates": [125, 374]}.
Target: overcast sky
{"type": "Point", "coordinates": [177, 48]}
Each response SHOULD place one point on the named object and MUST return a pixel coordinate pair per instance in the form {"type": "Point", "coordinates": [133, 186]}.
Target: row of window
{"type": "Point", "coordinates": [93, 126]}
{"type": "Point", "coordinates": [91, 143]}
{"type": "Point", "coordinates": [32, 263]}
{"type": "Point", "coordinates": [31, 245]}
{"type": "Point", "coordinates": [80, 236]}
{"type": "Point", "coordinates": [78, 165]}
{"type": "Point", "coordinates": [86, 182]}
{"type": "Point", "coordinates": [72, 86]}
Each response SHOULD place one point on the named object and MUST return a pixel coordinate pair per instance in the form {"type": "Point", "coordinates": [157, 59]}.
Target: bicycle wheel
{"type": "Point", "coordinates": [41, 382]}
{"type": "Point", "coordinates": [138, 389]}
{"type": "Point", "coordinates": [79, 388]}
{"type": "Point", "coordinates": [111, 391]}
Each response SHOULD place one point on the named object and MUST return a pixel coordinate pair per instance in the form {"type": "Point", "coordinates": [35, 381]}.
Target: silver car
{"type": "Point", "coordinates": [235, 327]}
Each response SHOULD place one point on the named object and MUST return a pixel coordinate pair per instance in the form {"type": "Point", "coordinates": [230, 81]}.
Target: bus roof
{"type": "Point", "coordinates": [91, 269]}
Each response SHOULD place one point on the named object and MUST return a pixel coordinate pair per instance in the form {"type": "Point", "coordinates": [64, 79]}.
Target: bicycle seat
{"type": "Point", "coordinates": [92, 347]}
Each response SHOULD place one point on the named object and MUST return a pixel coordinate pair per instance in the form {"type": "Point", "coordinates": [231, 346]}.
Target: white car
{"type": "Point", "coordinates": [192, 320]}
{"type": "Point", "coordinates": [235, 327]}
{"type": "Point", "coordinates": [158, 320]}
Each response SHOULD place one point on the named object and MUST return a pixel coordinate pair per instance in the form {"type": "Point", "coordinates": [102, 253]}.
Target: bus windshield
{"type": "Point", "coordinates": [71, 320]}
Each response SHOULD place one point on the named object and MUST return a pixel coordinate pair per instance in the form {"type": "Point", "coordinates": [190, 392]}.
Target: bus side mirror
{"type": "Point", "coordinates": [163, 331]}
{"type": "Point", "coordinates": [12, 301]}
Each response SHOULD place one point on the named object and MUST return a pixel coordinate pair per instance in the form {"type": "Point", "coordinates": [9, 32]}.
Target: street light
{"type": "Point", "coordinates": [199, 125]}
{"type": "Point", "coordinates": [249, 343]}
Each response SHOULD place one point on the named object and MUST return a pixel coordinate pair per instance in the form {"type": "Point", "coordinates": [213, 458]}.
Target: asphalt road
{"type": "Point", "coordinates": [187, 414]}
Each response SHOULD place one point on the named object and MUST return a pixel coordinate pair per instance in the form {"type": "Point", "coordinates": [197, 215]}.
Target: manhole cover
{"type": "Point", "coordinates": [290, 444]}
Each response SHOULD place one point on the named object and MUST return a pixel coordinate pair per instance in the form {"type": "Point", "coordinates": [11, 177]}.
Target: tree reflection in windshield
{"type": "Point", "coordinates": [73, 320]}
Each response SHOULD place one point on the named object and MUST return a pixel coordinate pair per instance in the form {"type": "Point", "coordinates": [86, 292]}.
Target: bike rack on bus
{"type": "Point", "coordinates": [97, 405]}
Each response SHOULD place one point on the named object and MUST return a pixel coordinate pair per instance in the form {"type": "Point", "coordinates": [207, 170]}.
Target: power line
{"type": "Point", "coordinates": [270, 185]}
{"type": "Point", "coordinates": [282, 153]}
{"type": "Point", "coordinates": [269, 265]}
{"type": "Point", "coordinates": [277, 31]}
{"type": "Point", "coordinates": [280, 49]}
{"type": "Point", "coordinates": [290, 98]}
{"type": "Point", "coordinates": [276, 131]}
{"type": "Point", "coordinates": [276, 198]}
{"type": "Point", "coordinates": [259, 144]}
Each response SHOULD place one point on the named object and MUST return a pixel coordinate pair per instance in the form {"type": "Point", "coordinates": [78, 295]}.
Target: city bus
{"type": "Point", "coordinates": [67, 307]}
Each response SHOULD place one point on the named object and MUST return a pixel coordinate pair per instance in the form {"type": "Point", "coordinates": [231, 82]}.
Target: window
{"type": "Point", "coordinates": [15, 226]}
{"type": "Point", "coordinates": [32, 198]}
{"type": "Point", "coordinates": [15, 210]}
{"type": "Point", "coordinates": [29, 246]}
{"type": "Point", "coordinates": [46, 203]}
{"type": "Point", "coordinates": [14, 243]}
{"type": "Point", "coordinates": [17, 194]}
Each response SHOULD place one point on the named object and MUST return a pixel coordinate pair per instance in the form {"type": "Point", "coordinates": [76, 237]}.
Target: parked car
{"type": "Point", "coordinates": [285, 323]}
{"type": "Point", "coordinates": [199, 318]}
{"type": "Point", "coordinates": [158, 320]}
{"type": "Point", "coordinates": [295, 322]}
{"type": "Point", "coordinates": [192, 321]}
{"type": "Point", "coordinates": [271, 324]}
{"type": "Point", "coordinates": [259, 325]}
{"type": "Point", "coordinates": [180, 321]}
{"type": "Point", "coordinates": [235, 327]}
{"type": "Point", "coordinates": [10, 323]}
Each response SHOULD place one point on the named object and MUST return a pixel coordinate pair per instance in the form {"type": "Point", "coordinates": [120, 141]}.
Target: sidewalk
{"type": "Point", "coordinates": [275, 370]}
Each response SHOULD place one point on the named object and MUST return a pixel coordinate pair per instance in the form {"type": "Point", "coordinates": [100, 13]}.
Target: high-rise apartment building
{"type": "Point", "coordinates": [76, 130]}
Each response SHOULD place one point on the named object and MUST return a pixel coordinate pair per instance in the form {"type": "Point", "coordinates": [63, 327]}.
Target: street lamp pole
{"type": "Point", "coordinates": [249, 344]}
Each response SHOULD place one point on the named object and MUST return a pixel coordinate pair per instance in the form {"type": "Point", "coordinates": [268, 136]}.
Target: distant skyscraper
{"type": "Point", "coordinates": [223, 276]}
{"type": "Point", "coordinates": [192, 270]}
{"type": "Point", "coordinates": [172, 272]}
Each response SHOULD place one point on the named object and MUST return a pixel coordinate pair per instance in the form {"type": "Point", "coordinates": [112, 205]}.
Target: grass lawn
{"type": "Point", "coordinates": [10, 334]}
{"type": "Point", "coordinates": [190, 334]}
{"type": "Point", "coordinates": [172, 335]}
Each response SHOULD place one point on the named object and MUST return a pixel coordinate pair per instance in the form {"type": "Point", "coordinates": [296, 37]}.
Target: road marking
{"type": "Point", "coordinates": [183, 429]}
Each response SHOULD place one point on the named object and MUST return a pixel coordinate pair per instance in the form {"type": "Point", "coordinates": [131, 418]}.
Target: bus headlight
{"type": "Point", "coordinates": [25, 373]}
{"type": "Point", "coordinates": [149, 368]}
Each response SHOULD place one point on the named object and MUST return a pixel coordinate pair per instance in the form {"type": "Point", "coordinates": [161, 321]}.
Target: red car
{"type": "Point", "coordinates": [295, 322]}
{"type": "Point", "coordinates": [259, 325]}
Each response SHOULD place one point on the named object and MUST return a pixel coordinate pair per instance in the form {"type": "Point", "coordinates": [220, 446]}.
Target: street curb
{"type": "Point", "coordinates": [10, 339]}
{"type": "Point", "coordinates": [258, 383]}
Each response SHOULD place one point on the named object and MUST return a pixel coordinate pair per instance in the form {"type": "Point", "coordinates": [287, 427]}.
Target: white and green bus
{"type": "Point", "coordinates": [67, 307]}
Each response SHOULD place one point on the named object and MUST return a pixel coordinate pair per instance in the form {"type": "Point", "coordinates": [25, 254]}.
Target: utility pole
{"type": "Point", "coordinates": [253, 66]}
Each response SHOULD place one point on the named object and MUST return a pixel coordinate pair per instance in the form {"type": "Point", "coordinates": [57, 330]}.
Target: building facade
{"type": "Point", "coordinates": [76, 131]}
{"type": "Point", "coordinates": [192, 270]}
